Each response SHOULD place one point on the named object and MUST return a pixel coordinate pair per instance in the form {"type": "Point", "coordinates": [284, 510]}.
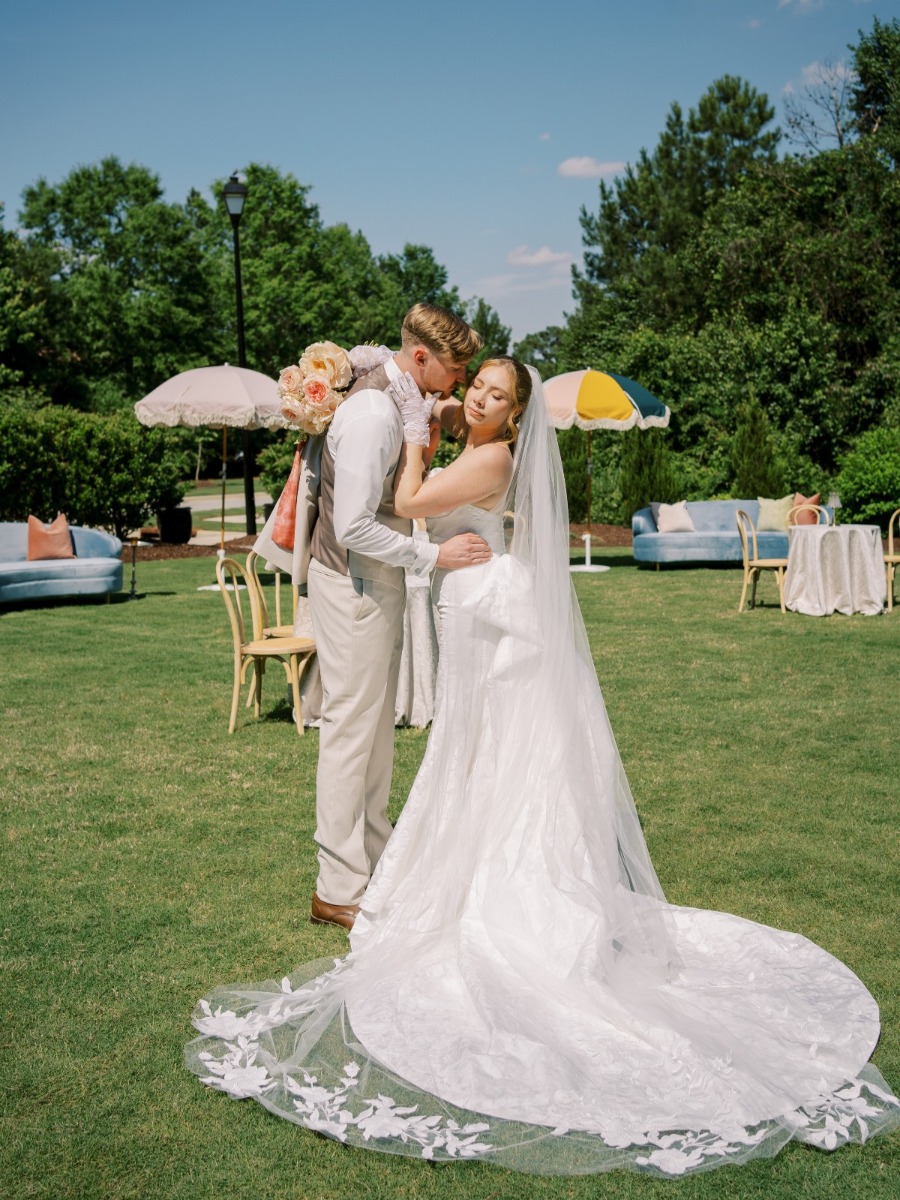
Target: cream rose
{"type": "Point", "coordinates": [292, 408]}
{"type": "Point", "coordinates": [328, 359]}
{"type": "Point", "coordinates": [291, 380]}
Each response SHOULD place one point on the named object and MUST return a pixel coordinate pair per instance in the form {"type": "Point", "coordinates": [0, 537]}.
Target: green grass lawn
{"type": "Point", "coordinates": [147, 856]}
{"type": "Point", "coordinates": [233, 487]}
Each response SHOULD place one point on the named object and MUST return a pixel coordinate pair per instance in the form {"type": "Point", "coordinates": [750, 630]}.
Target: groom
{"type": "Point", "coordinates": [357, 594]}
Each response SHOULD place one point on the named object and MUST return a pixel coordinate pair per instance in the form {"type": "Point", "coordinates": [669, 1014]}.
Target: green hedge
{"type": "Point", "coordinates": [107, 472]}
{"type": "Point", "coordinates": [869, 482]}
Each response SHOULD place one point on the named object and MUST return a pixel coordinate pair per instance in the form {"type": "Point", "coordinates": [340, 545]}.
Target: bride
{"type": "Point", "coordinates": [517, 988]}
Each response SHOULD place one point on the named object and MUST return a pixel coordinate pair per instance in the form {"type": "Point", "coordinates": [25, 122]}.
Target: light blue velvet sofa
{"type": "Point", "coordinates": [95, 570]}
{"type": "Point", "coordinates": [716, 539]}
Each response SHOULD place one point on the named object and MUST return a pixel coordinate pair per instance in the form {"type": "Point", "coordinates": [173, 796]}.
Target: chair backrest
{"type": "Point", "coordinates": [823, 516]}
{"type": "Point", "coordinates": [233, 582]}
{"type": "Point", "coordinates": [747, 531]}
{"type": "Point", "coordinates": [253, 561]}
{"type": "Point", "coordinates": [895, 520]}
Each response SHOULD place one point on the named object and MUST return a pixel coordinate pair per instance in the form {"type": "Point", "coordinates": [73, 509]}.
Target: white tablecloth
{"type": "Point", "coordinates": [835, 569]}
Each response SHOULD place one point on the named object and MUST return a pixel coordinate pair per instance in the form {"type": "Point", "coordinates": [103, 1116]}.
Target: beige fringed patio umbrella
{"type": "Point", "coordinates": [218, 397]}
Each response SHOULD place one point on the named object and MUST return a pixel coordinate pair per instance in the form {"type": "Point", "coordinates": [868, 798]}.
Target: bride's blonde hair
{"type": "Point", "coordinates": [521, 393]}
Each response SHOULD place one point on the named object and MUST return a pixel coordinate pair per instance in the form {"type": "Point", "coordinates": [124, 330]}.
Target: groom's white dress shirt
{"type": "Point", "coordinates": [365, 438]}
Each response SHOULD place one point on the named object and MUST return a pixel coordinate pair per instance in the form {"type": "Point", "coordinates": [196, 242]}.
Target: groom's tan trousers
{"type": "Point", "coordinates": [358, 627]}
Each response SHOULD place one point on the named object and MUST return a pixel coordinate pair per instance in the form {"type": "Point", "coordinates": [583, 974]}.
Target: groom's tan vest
{"type": "Point", "coordinates": [325, 547]}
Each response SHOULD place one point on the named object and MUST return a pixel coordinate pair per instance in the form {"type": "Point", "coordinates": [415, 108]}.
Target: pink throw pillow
{"type": "Point", "coordinates": [49, 541]}
{"type": "Point", "coordinates": [806, 518]}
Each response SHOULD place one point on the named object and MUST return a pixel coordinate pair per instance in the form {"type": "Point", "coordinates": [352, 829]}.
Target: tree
{"type": "Point", "coordinates": [133, 303]}
{"type": "Point", "coordinates": [301, 283]}
{"type": "Point", "coordinates": [781, 274]}
{"type": "Point", "coordinates": [23, 316]}
{"type": "Point", "coordinates": [869, 481]}
{"type": "Point", "coordinates": [754, 462]}
{"type": "Point", "coordinates": [646, 472]}
{"type": "Point", "coordinates": [486, 321]}
{"type": "Point", "coordinates": [647, 216]}
{"type": "Point", "coordinates": [100, 471]}
{"type": "Point", "coordinates": [875, 96]}
{"type": "Point", "coordinates": [541, 351]}
{"type": "Point", "coordinates": [821, 113]}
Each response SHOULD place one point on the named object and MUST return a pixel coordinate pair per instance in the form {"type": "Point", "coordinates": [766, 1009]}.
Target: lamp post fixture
{"type": "Point", "coordinates": [134, 537]}
{"type": "Point", "coordinates": [235, 194]}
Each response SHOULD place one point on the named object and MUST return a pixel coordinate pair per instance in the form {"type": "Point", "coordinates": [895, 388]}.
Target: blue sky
{"type": "Point", "coordinates": [478, 127]}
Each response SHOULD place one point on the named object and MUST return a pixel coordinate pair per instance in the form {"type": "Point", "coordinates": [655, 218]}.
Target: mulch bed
{"type": "Point", "coordinates": [601, 535]}
{"type": "Point", "coordinates": [162, 550]}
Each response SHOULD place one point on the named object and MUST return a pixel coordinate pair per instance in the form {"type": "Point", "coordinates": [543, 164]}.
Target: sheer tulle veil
{"type": "Point", "coordinates": [518, 989]}
{"type": "Point", "coordinates": [594, 799]}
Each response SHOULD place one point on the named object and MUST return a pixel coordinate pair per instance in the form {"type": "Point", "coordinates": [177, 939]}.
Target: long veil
{"type": "Point", "coordinates": [518, 990]}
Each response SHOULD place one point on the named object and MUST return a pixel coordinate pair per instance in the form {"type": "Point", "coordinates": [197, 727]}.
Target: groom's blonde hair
{"type": "Point", "coordinates": [440, 331]}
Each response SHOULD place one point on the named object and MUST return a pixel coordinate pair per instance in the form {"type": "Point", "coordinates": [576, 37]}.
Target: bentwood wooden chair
{"type": "Point", "coordinates": [259, 607]}
{"type": "Point", "coordinates": [892, 558]}
{"type": "Point", "coordinates": [753, 564]}
{"type": "Point", "coordinates": [294, 654]}
{"type": "Point", "coordinates": [266, 627]}
{"type": "Point", "coordinates": [822, 515]}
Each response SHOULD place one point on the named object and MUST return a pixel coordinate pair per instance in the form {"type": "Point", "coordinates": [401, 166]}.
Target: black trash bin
{"type": "Point", "coordinates": [175, 525]}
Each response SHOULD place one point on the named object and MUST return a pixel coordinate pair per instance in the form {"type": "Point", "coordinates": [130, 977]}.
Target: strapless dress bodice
{"type": "Point", "coordinates": [469, 518]}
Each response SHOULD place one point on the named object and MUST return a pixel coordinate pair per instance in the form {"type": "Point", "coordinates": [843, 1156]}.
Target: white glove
{"type": "Point", "coordinates": [364, 359]}
{"type": "Point", "coordinates": [415, 409]}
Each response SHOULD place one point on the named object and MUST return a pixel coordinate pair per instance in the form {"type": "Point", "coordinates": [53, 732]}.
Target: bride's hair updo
{"type": "Point", "coordinates": [520, 382]}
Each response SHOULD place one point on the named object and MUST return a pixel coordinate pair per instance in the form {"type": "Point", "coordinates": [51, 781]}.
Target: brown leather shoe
{"type": "Point", "coordinates": [324, 913]}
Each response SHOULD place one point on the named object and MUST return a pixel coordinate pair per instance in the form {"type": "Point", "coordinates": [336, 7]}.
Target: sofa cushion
{"type": "Point", "coordinates": [62, 568]}
{"type": "Point", "coordinates": [806, 518]}
{"type": "Point", "coordinates": [773, 514]}
{"type": "Point", "coordinates": [704, 546]}
{"type": "Point", "coordinates": [719, 515]}
{"type": "Point", "coordinates": [49, 541]}
{"type": "Point", "coordinates": [672, 518]}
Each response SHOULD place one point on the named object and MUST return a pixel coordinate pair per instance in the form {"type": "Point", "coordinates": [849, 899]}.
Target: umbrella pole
{"type": "Point", "coordinates": [589, 470]}
{"type": "Point", "coordinates": [224, 459]}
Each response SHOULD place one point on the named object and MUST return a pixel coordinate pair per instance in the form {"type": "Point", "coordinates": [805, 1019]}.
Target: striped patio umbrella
{"type": "Point", "coordinates": [602, 400]}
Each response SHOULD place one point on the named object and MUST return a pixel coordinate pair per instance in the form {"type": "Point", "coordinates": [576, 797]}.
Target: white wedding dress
{"type": "Point", "coordinates": [518, 990]}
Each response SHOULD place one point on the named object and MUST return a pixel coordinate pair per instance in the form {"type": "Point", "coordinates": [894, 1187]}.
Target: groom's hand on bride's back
{"type": "Point", "coordinates": [464, 550]}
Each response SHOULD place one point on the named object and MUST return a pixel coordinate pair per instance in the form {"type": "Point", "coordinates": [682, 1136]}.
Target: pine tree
{"type": "Point", "coordinates": [756, 468]}
{"type": "Point", "coordinates": [647, 472]}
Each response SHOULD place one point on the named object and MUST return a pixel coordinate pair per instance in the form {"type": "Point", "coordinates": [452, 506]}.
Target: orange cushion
{"type": "Point", "coordinates": [49, 541]}
{"type": "Point", "coordinates": [806, 518]}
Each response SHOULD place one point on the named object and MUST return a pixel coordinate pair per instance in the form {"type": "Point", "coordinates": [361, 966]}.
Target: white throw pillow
{"type": "Point", "coordinates": [773, 514]}
{"type": "Point", "coordinates": [675, 518]}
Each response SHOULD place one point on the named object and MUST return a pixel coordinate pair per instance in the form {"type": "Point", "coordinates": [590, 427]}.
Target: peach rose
{"type": "Point", "coordinates": [328, 359]}
{"type": "Point", "coordinates": [317, 389]}
{"type": "Point", "coordinates": [291, 380]}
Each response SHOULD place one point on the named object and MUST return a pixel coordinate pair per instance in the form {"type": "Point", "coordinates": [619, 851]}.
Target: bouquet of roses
{"type": "Point", "coordinates": [310, 391]}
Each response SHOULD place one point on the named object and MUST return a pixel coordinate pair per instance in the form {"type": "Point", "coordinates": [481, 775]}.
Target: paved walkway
{"type": "Point", "coordinates": [235, 516]}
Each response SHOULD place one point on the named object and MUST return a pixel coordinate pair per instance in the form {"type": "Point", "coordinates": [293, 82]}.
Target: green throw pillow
{"type": "Point", "coordinates": [773, 514]}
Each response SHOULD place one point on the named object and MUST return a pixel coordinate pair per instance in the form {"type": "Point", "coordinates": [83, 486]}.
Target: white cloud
{"type": "Point", "coordinates": [496, 287]}
{"type": "Point", "coordinates": [752, 23]}
{"type": "Point", "coordinates": [521, 256]}
{"type": "Point", "coordinates": [818, 72]}
{"type": "Point", "coordinates": [585, 167]}
{"type": "Point", "coordinates": [543, 137]}
{"type": "Point", "coordinates": [801, 6]}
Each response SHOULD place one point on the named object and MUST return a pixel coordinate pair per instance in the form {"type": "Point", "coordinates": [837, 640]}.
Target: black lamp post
{"type": "Point", "coordinates": [235, 194]}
